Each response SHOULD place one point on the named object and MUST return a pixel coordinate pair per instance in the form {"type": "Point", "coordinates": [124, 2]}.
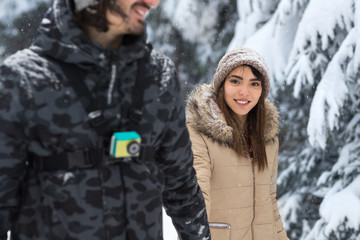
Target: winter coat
{"type": "Point", "coordinates": [41, 115]}
{"type": "Point", "coordinates": [240, 200]}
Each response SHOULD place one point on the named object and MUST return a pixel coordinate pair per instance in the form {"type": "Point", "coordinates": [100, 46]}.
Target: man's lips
{"type": "Point", "coordinates": [141, 9]}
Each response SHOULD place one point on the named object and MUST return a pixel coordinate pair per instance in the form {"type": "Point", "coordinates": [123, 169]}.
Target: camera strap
{"type": "Point", "coordinates": [134, 113]}
{"type": "Point", "coordinates": [93, 157]}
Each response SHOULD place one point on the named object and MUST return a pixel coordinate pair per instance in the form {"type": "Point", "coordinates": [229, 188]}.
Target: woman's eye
{"type": "Point", "coordinates": [234, 81]}
{"type": "Point", "coordinates": [256, 84]}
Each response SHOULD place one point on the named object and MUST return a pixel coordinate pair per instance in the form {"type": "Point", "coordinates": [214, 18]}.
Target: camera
{"type": "Point", "coordinates": [125, 145]}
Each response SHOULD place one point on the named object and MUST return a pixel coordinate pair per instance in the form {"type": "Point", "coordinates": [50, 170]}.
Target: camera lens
{"type": "Point", "coordinates": [133, 148]}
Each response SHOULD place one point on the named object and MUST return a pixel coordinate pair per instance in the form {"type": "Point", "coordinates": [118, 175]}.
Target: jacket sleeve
{"type": "Point", "coordinates": [12, 148]}
{"type": "Point", "coordinates": [182, 197]}
{"type": "Point", "coordinates": [278, 221]}
{"type": "Point", "coordinates": [202, 165]}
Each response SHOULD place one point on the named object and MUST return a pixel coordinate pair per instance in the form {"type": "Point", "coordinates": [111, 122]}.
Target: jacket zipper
{"type": "Point", "coordinates": [112, 83]}
{"type": "Point", "coordinates": [219, 225]}
{"type": "Point", "coordinates": [252, 220]}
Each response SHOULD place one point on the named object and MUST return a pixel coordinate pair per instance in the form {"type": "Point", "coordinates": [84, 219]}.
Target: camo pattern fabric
{"type": "Point", "coordinates": [40, 114]}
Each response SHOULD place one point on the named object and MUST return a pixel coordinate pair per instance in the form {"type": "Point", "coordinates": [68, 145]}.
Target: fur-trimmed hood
{"type": "Point", "coordinates": [204, 115]}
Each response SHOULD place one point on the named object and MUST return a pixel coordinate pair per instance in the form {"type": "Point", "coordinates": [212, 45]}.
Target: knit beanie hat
{"type": "Point", "coordinates": [236, 58]}
{"type": "Point", "coordinates": [82, 4]}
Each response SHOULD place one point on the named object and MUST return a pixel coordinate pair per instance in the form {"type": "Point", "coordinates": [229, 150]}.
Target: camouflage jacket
{"type": "Point", "coordinates": [40, 114]}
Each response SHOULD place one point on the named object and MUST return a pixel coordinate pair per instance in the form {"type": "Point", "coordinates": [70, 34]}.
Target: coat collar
{"type": "Point", "coordinates": [204, 115]}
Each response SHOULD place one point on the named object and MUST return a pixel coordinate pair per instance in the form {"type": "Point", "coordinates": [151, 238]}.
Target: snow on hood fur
{"type": "Point", "coordinates": [204, 115]}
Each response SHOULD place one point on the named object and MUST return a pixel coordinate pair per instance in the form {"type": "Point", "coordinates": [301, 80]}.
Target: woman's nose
{"type": "Point", "coordinates": [243, 90]}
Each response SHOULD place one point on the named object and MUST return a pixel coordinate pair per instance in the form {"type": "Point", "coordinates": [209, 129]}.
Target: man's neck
{"type": "Point", "coordinates": [105, 39]}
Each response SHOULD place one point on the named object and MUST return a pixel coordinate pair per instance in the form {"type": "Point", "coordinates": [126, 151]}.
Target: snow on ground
{"type": "Point", "coordinates": [168, 228]}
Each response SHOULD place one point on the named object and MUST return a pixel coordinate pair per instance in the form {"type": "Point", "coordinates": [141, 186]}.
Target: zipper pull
{"type": "Point", "coordinates": [219, 225]}
{"type": "Point", "coordinates": [112, 84]}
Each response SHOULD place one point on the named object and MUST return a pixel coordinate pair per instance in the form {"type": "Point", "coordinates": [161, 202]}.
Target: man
{"type": "Point", "coordinates": [92, 131]}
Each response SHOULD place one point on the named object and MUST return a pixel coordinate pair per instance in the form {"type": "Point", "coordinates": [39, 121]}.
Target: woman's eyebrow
{"type": "Point", "coordinates": [255, 79]}
{"type": "Point", "coordinates": [235, 76]}
{"type": "Point", "coordinates": [239, 77]}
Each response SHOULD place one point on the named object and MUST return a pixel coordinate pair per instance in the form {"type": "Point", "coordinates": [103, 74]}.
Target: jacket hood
{"type": "Point", "coordinates": [204, 115]}
{"type": "Point", "coordinates": [60, 37]}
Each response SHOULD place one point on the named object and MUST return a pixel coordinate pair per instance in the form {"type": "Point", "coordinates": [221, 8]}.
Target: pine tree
{"type": "Point", "coordinates": [322, 72]}
{"type": "Point", "coordinates": [313, 50]}
{"type": "Point", "coordinates": [195, 34]}
{"type": "Point", "coordinates": [17, 31]}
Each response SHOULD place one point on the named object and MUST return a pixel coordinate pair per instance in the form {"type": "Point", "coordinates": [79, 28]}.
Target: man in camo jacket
{"type": "Point", "coordinates": [58, 179]}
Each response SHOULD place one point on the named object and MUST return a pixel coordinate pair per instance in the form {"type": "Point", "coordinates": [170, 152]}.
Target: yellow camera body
{"type": "Point", "coordinates": [125, 144]}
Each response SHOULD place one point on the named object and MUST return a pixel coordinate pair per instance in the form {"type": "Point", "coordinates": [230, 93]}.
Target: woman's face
{"type": "Point", "coordinates": [242, 90]}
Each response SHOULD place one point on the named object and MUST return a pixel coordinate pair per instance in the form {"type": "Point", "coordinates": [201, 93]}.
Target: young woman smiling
{"type": "Point", "coordinates": [233, 129]}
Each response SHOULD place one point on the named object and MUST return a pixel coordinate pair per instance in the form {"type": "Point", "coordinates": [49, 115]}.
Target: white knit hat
{"type": "Point", "coordinates": [236, 58]}
{"type": "Point", "coordinates": [82, 4]}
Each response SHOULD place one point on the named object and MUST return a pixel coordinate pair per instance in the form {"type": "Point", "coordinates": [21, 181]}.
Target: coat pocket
{"type": "Point", "coordinates": [220, 231]}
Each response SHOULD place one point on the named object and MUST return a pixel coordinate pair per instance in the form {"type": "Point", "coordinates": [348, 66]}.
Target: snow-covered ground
{"type": "Point", "coordinates": [168, 228]}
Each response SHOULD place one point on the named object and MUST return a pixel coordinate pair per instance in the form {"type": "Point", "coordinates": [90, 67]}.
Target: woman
{"type": "Point", "coordinates": [233, 129]}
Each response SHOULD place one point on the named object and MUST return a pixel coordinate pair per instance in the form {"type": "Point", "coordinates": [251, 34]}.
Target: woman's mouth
{"type": "Point", "coordinates": [242, 102]}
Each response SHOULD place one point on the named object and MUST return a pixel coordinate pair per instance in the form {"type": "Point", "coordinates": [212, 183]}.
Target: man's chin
{"type": "Point", "coordinates": [135, 27]}
{"type": "Point", "coordinates": [140, 29]}
{"type": "Point", "coordinates": [140, 32]}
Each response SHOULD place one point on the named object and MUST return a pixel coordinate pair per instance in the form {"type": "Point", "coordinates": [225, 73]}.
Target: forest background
{"type": "Point", "coordinates": [313, 51]}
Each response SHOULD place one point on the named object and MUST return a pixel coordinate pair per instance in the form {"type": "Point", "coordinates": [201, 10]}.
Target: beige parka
{"type": "Point", "coordinates": [240, 201]}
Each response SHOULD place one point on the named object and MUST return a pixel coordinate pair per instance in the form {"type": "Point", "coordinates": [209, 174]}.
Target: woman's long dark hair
{"type": "Point", "coordinates": [95, 15]}
{"type": "Point", "coordinates": [255, 126]}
